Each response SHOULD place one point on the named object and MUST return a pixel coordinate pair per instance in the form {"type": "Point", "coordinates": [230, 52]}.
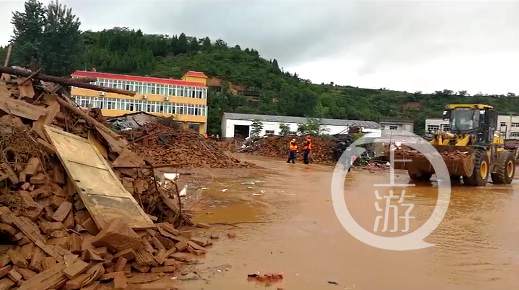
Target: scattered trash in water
{"type": "Point", "coordinates": [248, 183]}
{"type": "Point", "coordinates": [224, 190]}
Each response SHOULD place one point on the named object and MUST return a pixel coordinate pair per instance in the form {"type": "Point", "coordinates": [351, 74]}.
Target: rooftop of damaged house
{"type": "Point", "coordinates": [81, 205]}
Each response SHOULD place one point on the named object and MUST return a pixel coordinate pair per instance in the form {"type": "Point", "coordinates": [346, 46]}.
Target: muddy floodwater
{"type": "Point", "coordinates": [283, 221]}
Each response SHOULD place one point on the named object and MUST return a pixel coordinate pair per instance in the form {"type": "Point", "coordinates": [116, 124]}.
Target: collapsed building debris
{"type": "Point", "coordinates": [62, 230]}
{"type": "Point", "coordinates": [174, 146]}
{"type": "Point", "coordinates": [325, 149]}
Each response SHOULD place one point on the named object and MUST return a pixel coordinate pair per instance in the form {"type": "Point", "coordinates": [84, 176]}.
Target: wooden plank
{"type": "Point", "coordinates": [26, 89]}
{"type": "Point", "coordinates": [51, 278]}
{"type": "Point", "coordinates": [99, 188]}
{"type": "Point", "coordinates": [30, 231]}
{"type": "Point", "coordinates": [21, 108]}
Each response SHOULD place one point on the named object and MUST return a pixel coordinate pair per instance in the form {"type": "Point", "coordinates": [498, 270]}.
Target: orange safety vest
{"type": "Point", "coordinates": [293, 146]}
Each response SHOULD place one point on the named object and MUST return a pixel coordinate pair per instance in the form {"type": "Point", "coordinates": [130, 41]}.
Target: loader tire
{"type": "Point", "coordinates": [481, 170]}
{"type": "Point", "coordinates": [505, 169]}
{"type": "Point", "coordinates": [419, 176]}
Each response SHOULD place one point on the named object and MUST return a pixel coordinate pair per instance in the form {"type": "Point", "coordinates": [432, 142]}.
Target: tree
{"type": "Point", "coordinates": [444, 93]}
{"type": "Point", "coordinates": [181, 44]}
{"type": "Point", "coordinates": [220, 43]}
{"type": "Point", "coordinates": [462, 93]}
{"type": "Point", "coordinates": [46, 37]}
{"type": "Point", "coordinates": [284, 129]}
{"type": "Point", "coordinates": [256, 128]}
{"type": "Point", "coordinates": [28, 34]}
{"type": "Point", "coordinates": [275, 66]}
{"type": "Point", "coordinates": [206, 43]}
{"type": "Point", "coordinates": [61, 47]}
{"type": "Point", "coordinates": [311, 127]}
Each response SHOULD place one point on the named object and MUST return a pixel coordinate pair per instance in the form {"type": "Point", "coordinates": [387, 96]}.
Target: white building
{"type": "Point", "coordinates": [397, 126]}
{"type": "Point", "coordinates": [234, 125]}
{"type": "Point", "coordinates": [434, 125]}
{"type": "Point", "coordinates": [508, 125]}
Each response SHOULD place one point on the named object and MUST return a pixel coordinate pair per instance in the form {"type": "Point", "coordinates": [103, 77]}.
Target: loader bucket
{"type": "Point", "coordinates": [459, 160]}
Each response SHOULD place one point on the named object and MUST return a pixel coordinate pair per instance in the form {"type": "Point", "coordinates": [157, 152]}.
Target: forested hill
{"type": "Point", "coordinates": [274, 91]}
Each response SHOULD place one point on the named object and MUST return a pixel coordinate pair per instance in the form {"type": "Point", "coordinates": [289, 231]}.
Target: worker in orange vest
{"type": "Point", "coordinates": [307, 148]}
{"type": "Point", "coordinates": [292, 151]}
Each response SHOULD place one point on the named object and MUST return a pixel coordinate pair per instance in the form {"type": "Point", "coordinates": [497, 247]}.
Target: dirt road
{"type": "Point", "coordinates": [289, 226]}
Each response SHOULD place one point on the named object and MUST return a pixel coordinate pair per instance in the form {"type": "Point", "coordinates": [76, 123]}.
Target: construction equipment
{"type": "Point", "coordinates": [473, 149]}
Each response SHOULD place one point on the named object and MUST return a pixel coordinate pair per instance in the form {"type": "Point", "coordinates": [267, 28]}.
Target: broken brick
{"type": "Point", "coordinates": [17, 258]}
{"type": "Point", "coordinates": [63, 210]}
{"type": "Point", "coordinates": [120, 264]}
{"type": "Point", "coordinates": [117, 236]}
{"type": "Point", "coordinates": [120, 280]}
{"type": "Point", "coordinates": [15, 276]}
{"type": "Point", "coordinates": [26, 273]}
{"type": "Point", "coordinates": [78, 267]}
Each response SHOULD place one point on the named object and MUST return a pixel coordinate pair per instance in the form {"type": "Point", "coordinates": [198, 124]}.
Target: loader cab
{"type": "Point", "coordinates": [477, 120]}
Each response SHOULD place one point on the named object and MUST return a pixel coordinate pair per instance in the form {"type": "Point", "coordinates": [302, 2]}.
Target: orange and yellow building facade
{"type": "Point", "coordinates": [184, 100]}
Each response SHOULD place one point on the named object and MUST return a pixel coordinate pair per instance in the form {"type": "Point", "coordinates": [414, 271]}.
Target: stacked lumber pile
{"type": "Point", "coordinates": [179, 148]}
{"type": "Point", "coordinates": [49, 237]}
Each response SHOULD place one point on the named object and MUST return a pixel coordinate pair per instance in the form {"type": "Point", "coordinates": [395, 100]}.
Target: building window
{"type": "Point", "coordinates": [514, 134]}
{"type": "Point", "coordinates": [393, 127]}
{"type": "Point", "coordinates": [433, 128]}
{"type": "Point", "coordinates": [133, 105]}
{"type": "Point", "coordinates": [515, 124]}
{"type": "Point", "coordinates": [269, 132]}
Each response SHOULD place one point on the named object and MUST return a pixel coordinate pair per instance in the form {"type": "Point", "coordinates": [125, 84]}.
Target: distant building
{"type": "Point", "coordinates": [397, 126]}
{"type": "Point", "coordinates": [239, 125]}
{"type": "Point", "coordinates": [434, 125]}
{"type": "Point", "coordinates": [184, 100]}
{"type": "Point", "coordinates": [508, 125]}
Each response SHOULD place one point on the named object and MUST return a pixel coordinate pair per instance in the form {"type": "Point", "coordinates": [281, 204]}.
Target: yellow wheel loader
{"type": "Point", "coordinates": [473, 149]}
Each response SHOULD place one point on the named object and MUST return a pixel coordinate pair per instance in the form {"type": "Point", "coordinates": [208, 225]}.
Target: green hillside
{"type": "Point", "coordinates": [121, 50]}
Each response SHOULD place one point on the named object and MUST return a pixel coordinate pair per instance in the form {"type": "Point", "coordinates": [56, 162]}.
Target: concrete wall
{"type": "Point", "coordinates": [228, 127]}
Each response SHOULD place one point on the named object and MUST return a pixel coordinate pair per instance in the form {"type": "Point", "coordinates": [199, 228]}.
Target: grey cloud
{"type": "Point", "coordinates": [379, 35]}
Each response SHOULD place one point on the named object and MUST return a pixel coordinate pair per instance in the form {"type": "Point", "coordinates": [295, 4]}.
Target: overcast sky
{"type": "Point", "coordinates": [405, 45]}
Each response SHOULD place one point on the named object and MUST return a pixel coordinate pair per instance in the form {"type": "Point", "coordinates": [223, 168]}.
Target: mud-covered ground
{"type": "Point", "coordinates": [283, 221]}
